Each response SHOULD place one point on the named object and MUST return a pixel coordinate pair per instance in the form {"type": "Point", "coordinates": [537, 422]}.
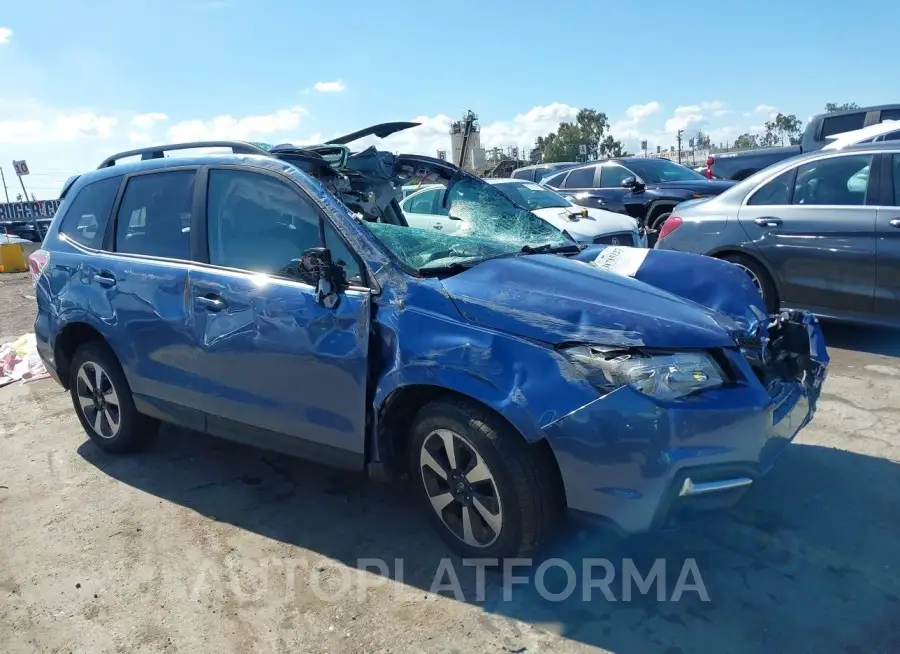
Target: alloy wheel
{"type": "Point", "coordinates": [753, 277]}
{"type": "Point", "coordinates": [461, 488]}
{"type": "Point", "coordinates": [98, 400]}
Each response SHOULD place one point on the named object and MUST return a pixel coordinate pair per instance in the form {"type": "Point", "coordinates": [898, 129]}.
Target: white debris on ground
{"type": "Point", "coordinates": [19, 360]}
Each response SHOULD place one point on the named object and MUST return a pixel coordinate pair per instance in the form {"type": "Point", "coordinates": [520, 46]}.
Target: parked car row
{"type": "Point", "coordinates": [819, 231]}
{"type": "Point", "coordinates": [279, 297]}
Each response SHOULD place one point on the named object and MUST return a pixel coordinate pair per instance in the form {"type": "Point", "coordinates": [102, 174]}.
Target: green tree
{"type": "Point", "coordinates": [746, 140]}
{"type": "Point", "coordinates": [702, 141]}
{"type": "Point", "coordinates": [589, 130]}
{"type": "Point", "coordinates": [831, 107]}
{"type": "Point", "coordinates": [782, 130]}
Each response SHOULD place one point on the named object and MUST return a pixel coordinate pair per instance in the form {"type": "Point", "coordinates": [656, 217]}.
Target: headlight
{"type": "Point", "coordinates": [663, 375]}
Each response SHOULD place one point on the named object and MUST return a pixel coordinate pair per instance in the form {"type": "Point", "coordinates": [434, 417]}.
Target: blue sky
{"type": "Point", "coordinates": [81, 80]}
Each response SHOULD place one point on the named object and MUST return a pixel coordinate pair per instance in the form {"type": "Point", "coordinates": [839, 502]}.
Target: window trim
{"type": "Point", "coordinates": [368, 282]}
{"type": "Point", "coordinates": [112, 228]}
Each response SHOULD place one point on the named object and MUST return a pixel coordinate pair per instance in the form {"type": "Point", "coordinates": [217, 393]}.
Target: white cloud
{"type": "Point", "coordinates": [5, 35]}
{"type": "Point", "coordinates": [227, 127]}
{"type": "Point", "coordinates": [635, 115]}
{"type": "Point", "coordinates": [139, 138]}
{"type": "Point", "coordinates": [147, 121]}
{"type": "Point", "coordinates": [336, 86]}
{"type": "Point", "coordinates": [60, 129]}
{"type": "Point", "coordinates": [694, 116]}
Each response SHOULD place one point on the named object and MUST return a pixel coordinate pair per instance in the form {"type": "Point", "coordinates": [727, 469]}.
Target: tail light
{"type": "Point", "coordinates": [672, 223]}
{"type": "Point", "coordinates": [37, 261]}
{"type": "Point", "coordinates": [709, 162]}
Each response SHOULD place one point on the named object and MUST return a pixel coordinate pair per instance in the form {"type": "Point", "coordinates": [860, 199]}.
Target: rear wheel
{"type": "Point", "coordinates": [480, 482]}
{"type": "Point", "coordinates": [659, 218]}
{"type": "Point", "coordinates": [759, 276]}
{"type": "Point", "coordinates": [103, 402]}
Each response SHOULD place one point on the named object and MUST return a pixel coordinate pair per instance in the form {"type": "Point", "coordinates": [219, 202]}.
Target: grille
{"type": "Point", "coordinates": [619, 238]}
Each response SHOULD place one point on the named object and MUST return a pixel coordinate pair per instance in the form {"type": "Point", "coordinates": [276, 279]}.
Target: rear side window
{"type": "Point", "coordinates": [154, 217]}
{"type": "Point", "coordinates": [895, 160]}
{"type": "Point", "coordinates": [581, 178]}
{"type": "Point", "coordinates": [85, 221]}
{"type": "Point", "coordinates": [524, 174]}
{"type": "Point", "coordinates": [890, 114]}
{"type": "Point", "coordinates": [776, 191]}
{"type": "Point", "coordinates": [840, 124]}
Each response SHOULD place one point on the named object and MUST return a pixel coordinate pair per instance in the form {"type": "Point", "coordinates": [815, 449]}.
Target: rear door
{"type": "Point", "coordinates": [145, 284]}
{"type": "Point", "coordinates": [814, 224]}
{"type": "Point", "coordinates": [275, 367]}
{"type": "Point", "coordinates": [887, 284]}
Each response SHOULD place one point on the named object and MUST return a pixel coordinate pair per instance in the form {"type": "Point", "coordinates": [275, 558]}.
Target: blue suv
{"type": "Point", "coordinates": [276, 296]}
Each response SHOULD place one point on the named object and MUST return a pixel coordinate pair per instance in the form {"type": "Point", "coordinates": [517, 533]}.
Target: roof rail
{"type": "Point", "coordinates": [158, 151]}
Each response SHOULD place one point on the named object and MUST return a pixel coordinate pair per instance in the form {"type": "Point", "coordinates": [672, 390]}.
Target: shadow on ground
{"type": "Point", "coordinates": [807, 563]}
{"type": "Point", "coordinates": [862, 338]}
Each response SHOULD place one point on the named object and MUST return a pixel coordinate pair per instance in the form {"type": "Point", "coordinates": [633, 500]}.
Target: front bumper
{"type": "Point", "coordinates": [645, 465]}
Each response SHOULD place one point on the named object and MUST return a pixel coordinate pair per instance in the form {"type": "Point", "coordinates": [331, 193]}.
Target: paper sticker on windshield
{"type": "Point", "coordinates": [533, 187]}
{"type": "Point", "coordinates": [621, 260]}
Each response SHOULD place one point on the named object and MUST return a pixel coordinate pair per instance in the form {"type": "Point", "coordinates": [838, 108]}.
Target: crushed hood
{"type": "Point", "coordinates": [553, 299]}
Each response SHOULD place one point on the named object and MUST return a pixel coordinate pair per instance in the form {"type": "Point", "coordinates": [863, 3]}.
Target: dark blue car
{"type": "Point", "coordinates": [277, 297]}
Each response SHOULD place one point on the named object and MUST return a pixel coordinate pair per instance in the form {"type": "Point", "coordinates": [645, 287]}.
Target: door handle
{"type": "Point", "coordinates": [895, 223]}
{"type": "Point", "coordinates": [104, 279]}
{"type": "Point", "coordinates": [211, 302]}
{"type": "Point", "coordinates": [768, 221]}
{"type": "Point", "coordinates": [438, 226]}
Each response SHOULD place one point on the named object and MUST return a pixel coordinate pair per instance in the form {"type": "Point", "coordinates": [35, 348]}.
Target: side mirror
{"type": "Point", "coordinates": [633, 184]}
{"type": "Point", "coordinates": [318, 269]}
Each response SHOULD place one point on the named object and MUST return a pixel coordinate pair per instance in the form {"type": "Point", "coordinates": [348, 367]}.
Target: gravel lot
{"type": "Point", "coordinates": [202, 545]}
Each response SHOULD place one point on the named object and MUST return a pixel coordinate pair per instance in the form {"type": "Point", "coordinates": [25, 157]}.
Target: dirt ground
{"type": "Point", "coordinates": [205, 546]}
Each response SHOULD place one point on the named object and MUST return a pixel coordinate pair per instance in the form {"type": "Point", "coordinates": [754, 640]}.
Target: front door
{"type": "Point", "coordinates": [815, 226]}
{"type": "Point", "coordinates": [275, 363]}
{"type": "Point", "coordinates": [887, 284]}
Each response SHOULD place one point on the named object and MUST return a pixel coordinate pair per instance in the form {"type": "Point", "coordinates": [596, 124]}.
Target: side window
{"type": "Point", "coordinates": [890, 136]}
{"type": "Point", "coordinates": [776, 191]}
{"type": "Point", "coordinates": [554, 180]}
{"type": "Point", "coordinates": [840, 124]}
{"type": "Point", "coordinates": [154, 217]}
{"type": "Point", "coordinates": [581, 178]}
{"type": "Point", "coordinates": [890, 114]}
{"type": "Point", "coordinates": [612, 175]}
{"type": "Point", "coordinates": [835, 181]}
{"type": "Point", "coordinates": [85, 221]}
{"type": "Point", "coordinates": [422, 203]}
{"type": "Point", "coordinates": [341, 255]}
{"type": "Point", "coordinates": [257, 222]}
{"type": "Point", "coordinates": [523, 174]}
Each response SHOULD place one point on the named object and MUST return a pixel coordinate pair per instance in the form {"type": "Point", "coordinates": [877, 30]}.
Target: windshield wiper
{"type": "Point", "coordinates": [549, 248]}
{"type": "Point", "coordinates": [450, 268]}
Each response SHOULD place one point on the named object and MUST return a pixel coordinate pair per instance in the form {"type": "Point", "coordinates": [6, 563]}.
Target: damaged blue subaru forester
{"type": "Point", "coordinates": [275, 295]}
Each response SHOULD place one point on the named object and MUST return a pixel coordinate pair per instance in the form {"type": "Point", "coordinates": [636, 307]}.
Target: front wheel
{"type": "Point", "coordinates": [480, 482]}
{"type": "Point", "coordinates": [760, 278]}
{"type": "Point", "coordinates": [103, 402]}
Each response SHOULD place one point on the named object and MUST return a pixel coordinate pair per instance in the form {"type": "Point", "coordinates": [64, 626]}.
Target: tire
{"type": "Point", "coordinates": [656, 221]}
{"type": "Point", "coordinates": [132, 431]}
{"type": "Point", "coordinates": [760, 278]}
{"type": "Point", "coordinates": [515, 490]}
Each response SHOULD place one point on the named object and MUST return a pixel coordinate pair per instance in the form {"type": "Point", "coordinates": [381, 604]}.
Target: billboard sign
{"type": "Point", "coordinates": [20, 211]}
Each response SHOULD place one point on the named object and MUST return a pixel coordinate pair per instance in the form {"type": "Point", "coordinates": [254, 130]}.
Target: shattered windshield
{"type": "Point", "coordinates": [469, 221]}
{"type": "Point", "coordinates": [533, 196]}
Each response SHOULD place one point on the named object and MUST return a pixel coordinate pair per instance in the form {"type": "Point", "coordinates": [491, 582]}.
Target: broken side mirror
{"type": "Point", "coordinates": [317, 269]}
